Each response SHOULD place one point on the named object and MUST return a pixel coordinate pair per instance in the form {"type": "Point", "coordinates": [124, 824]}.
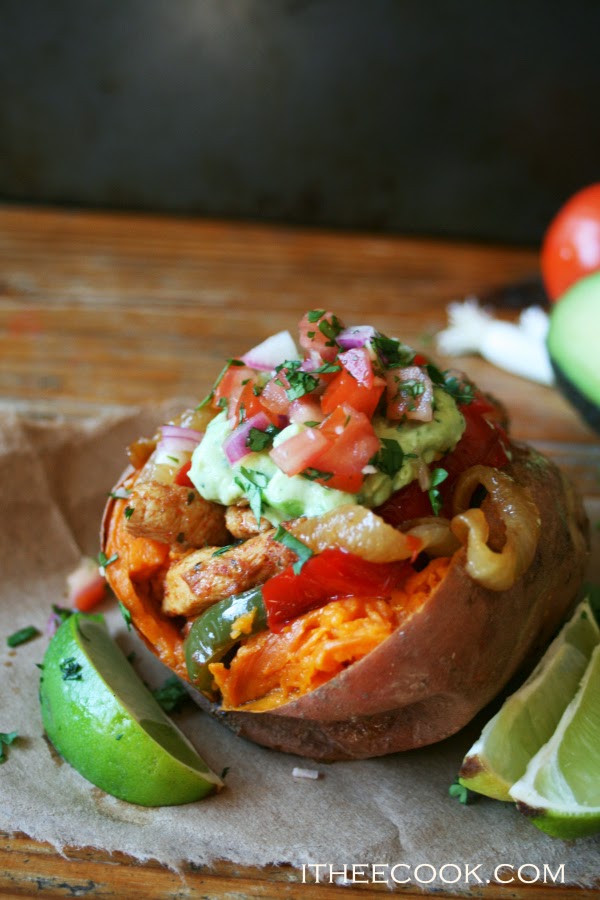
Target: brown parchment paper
{"type": "Point", "coordinates": [54, 476]}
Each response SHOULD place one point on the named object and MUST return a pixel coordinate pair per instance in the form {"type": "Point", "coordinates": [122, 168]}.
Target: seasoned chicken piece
{"type": "Point", "coordinates": [211, 577]}
{"type": "Point", "coordinates": [178, 595]}
{"type": "Point", "coordinates": [241, 523]}
{"type": "Point", "coordinates": [175, 515]}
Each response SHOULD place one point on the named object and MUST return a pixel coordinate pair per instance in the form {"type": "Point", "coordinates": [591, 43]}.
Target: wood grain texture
{"type": "Point", "coordinates": [101, 310]}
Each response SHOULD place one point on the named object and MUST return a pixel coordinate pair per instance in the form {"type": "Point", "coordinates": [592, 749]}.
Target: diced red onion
{"type": "Point", "coordinates": [357, 336]}
{"type": "Point", "coordinates": [235, 445]}
{"type": "Point", "coordinates": [176, 431]}
{"type": "Point", "coordinates": [271, 352]}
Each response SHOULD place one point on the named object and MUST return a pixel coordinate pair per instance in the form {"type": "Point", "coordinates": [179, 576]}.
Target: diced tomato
{"type": "Point", "coordinates": [318, 330]}
{"type": "Point", "coordinates": [409, 394]}
{"type": "Point", "coordinates": [299, 452]}
{"type": "Point", "coordinates": [274, 398]}
{"type": "Point", "coordinates": [306, 409]}
{"type": "Point", "coordinates": [329, 575]}
{"type": "Point", "coordinates": [86, 586]}
{"type": "Point", "coordinates": [230, 387]}
{"type": "Point", "coordinates": [249, 403]}
{"type": "Point", "coordinates": [346, 389]}
{"type": "Point", "coordinates": [353, 443]}
{"type": "Point", "coordinates": [182, 478]}
{"type": "Point", "coordinates": [358, 363]}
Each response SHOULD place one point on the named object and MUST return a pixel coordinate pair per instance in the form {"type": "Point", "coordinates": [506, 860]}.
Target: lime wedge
{"type": "Point", "coordinates": [560, 790]}
{"type": "Point", "coordinates": [528, 718]}
{"type": "Point", "coordinates": [104, 721]}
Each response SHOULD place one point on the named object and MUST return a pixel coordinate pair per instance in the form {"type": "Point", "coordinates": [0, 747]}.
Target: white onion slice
{"type": "Point", "coordinates": [273, 351]}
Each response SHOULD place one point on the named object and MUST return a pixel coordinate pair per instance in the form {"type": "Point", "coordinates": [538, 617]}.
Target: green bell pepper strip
{"type": "Point", "coordinates": [209, 638]}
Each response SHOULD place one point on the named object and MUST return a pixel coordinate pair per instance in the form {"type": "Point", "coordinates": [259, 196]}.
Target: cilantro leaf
{"type": "Point", "coordinates": [6, 739]}
{"type": "Point", "coordinates": [315, 314]}
{"type": "Point", "coordinates": [257, 440]}
{"type": "Point", "coordinates": [390, 458]}
{"type": "Point", "coordinates": [171, 695]}
{"type": "Point", "coordinates": [391, 353]}
{"type": "Point", "coordinates": [461, 793]}
{"type": "Point", "coordinates": [22, 636]}
{"type": "Point", "coordinates": [71, 669]}
{"type": "Point", "coordinates": [252, 483]}
{"type": "Point", "coordinates": [437, 477]}
{"type": "Point", "coordinates": [126, 615]}
{"type": "Point", "coordinates": [297, 546]}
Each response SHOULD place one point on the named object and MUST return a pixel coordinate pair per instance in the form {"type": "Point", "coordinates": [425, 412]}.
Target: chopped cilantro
{"type": "Point", "coordinates": [62, 613]}
{"type": "Point", "coordinates": [437, 476]}
{"type": "Point", "coordinates": [391, 353]}
{"type": "Point", "coordinates": [460, 792]}
{"type": "Point", "coordinates": [126, 615]}
{"type": "Point", "coordinates": [300, 383]}
{"type": "Point", "coordinates": [311, 424]}
{"type": "Point", "coordinates": [330, 329]}
{"type": "Point", "coordinates": [104, 560]}
{"type": "Point", "coordinates": [314, 315]}
{"type": "Point", "coordinates": [390, 458]}
{"type": "Point", "coordinates": [171, 695]}
{"type": "Point", "coordinates": [220, 376]}
{"type": "Point", "coordinates": [316, 474]}
{"type": "Point", "coordinates": [6, 738]}
{"type": "Point", "coordinates": [128, 512]}
{"type": "Point", "coordinates": [223, 550]}
{"type": "Point", "coordinates": [191, 497]}
{"type": "Point", "coordinates": [460, 390]}
{"type": "Point", "coordinates": [252, 484]}
{"type": "Point", "coordinates": [22, 636]}
{"type": "Point", "coordinates": [71, 669]}
{"type": "Point", "coordinates": [257, 440]}
{"type": "Point", "coordinates": [292, 543]}
{"type": "Point", "coordinates": [224, 772]}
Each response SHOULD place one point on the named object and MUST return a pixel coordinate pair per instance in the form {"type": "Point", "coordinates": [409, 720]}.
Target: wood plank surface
{"type": "Point", "coordinates": [108, 310]}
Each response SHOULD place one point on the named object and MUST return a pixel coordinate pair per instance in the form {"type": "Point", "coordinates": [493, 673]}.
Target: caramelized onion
{"type": "Point", "coordinates": [436, 535]}
{"type": "Point", "coordinates": [360, 531]}
{"type": "Point", "coordinates": [497, 571]}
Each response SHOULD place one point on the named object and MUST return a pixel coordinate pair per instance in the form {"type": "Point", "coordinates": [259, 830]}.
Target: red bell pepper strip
{"type": "Point", "coordinates": [329, 575]}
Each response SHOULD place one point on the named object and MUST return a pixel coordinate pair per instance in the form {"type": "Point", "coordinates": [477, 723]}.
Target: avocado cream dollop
{"type": "Point", "coordinates": [282, 497]}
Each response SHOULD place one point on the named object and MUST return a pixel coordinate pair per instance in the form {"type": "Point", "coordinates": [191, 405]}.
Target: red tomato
{"type": "Point", "coordinates": [318, 330]}
{"type": "Point", "coordinates": [571, 245]}
{"type": "Point", "coordinates": [331, 574]}
{"type": "Point", "coordinates": [346, 389]}
{"type": "Point", "coordinates": [231, 386]}
{"type": "Point", "coordinates": [353, 444]}
{"type": "Point", "coordinates": [182, 478]}
{"type": "Point", "coordinates": [299, 452]}
{"type": "Point", "coordinates": [249, 404]}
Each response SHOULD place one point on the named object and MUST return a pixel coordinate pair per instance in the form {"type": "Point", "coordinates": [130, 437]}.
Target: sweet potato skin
{"type": "Point", "coordinates": [450, 658]}
{"type": "Point", "coordinates": [429, 678]}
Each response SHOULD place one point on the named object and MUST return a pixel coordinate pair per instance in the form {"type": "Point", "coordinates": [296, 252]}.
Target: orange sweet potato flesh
{"type": "Point", "coordinates": [450, 657]}
{"type": "Point", "coordinates": [453, 647]}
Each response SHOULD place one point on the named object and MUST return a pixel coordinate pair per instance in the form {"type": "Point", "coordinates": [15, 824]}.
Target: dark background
{"type": "Point", "coordinates": [467, 119]}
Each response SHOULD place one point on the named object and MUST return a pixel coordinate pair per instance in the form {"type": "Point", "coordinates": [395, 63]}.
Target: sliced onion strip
{"type": "Point", "coordinates": [496, 570]}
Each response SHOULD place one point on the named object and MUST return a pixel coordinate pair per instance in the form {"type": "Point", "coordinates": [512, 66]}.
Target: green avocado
{"type": "Point", "coordinates": [574, 347]}
{"type": "Point", "coordinates": [282, 498]}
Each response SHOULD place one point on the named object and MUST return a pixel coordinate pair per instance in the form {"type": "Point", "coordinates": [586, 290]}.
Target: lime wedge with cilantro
{"type": "Point", "coordinates": [104, 721]}
{"type": "Point", "coordinates": [529, 717]}
{"type": "Point", "coordinates": [560, 790]}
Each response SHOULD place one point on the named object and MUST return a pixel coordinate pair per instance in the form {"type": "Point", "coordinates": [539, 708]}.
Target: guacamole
{"type": "Point", "coordinates": [279, 497]}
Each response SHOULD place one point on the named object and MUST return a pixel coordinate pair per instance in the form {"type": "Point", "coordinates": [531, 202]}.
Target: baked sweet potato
{"type": "Point", "coordinates": [418, 621]}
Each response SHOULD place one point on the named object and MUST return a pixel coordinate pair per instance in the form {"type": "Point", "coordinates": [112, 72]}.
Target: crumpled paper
{"type": "Point", "coordinates": [54, 477]}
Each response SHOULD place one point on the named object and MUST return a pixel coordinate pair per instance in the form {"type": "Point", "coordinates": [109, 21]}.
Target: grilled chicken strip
{"type": "Point", "coordinates": [211, 578]}
{"type": "Point", "coordinates": [176, 515]}
{"type": "Point", "coordinates": [241, 523]}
